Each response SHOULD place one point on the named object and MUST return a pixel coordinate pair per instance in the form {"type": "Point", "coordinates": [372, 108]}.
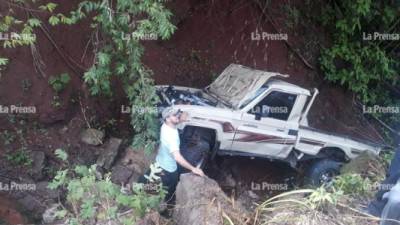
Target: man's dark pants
{"type": "Point", "coordinates": [169, 181]}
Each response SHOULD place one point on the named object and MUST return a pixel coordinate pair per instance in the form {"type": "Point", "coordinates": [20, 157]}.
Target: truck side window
{"type": "Point", "coordinates": [277, 105]}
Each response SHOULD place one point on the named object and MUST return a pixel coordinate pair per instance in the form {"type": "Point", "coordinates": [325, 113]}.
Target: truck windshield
{"type": "Point", "coordinates": [256, 94]}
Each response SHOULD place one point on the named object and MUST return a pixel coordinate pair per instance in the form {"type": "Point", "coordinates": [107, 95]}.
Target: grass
{"type": "Point", "coordinates": [19, 158]}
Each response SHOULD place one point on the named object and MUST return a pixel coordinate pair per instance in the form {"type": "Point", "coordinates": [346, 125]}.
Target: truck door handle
{"type": "Point", "coordinates": [280, 130]}
{"type": "Point", "coordinates": [250, 125]}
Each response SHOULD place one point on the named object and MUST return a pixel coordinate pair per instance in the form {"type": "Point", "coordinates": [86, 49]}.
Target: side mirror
{"type": "Point", "coordinates": [257, 116]}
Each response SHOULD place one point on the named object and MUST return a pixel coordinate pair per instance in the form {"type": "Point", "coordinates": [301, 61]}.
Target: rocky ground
{"type": "Point", "coordinates": [199, 201]}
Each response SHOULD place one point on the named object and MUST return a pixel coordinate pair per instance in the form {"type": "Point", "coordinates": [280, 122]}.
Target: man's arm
{"type": "Point", "coordinates": [183, 162]}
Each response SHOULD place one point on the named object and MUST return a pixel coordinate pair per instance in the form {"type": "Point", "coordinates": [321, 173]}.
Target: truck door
{"type": "Point", "coordinates": [264, 130]}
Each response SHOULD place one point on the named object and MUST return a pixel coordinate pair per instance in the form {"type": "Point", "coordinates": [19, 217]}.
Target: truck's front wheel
{"type": "Point", "coordinates": [322, 172]}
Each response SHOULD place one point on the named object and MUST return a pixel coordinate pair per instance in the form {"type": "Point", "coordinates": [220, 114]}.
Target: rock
{"type": "Point", "coordinates": [247, 199]}
{"type": "Point", "coordinates": [44, 192]}
{"type": "Point", "coordinates": [52, 117]}
{"type": "Point", "coordinates": [92, 136]}
{"type": "Point", "coordinates": [253, 195]}
{"type": "Point", "coordinates": [49, 216]}
{"type": "Point", "coordinates": [38, 163]}
{"type": "Point", "coordinates": [109, 153]}
{"type": "Point", "coordinates": [200, 201]}
{"type": "Point", "coordinates": [138, 161]}
{"type": "Point", "coordinates": [120, 174]}
{"type": "Point", "coordinates": [152, 218]}
{"type": "Point", "coordinates": [228, 181]}
{"type": "Point", "coordinates": [33, 206]}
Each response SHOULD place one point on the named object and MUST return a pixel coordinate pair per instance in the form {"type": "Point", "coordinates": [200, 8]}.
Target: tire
{"type": "Point", "coordinates": [322, 172]}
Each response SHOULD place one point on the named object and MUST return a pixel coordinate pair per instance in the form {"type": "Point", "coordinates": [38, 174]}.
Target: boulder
{"type": "Point", "coordinates": [152, 218]}
{"type": "Point", "coordinates": [38, 163]}
{"type": "Point", "coordinates": [46, 193]}
{"type": "Point", "coordinates": [32, 205]}
{"type": "Point", "coordinates": [200, 201]}
{"type": "Point", "coordinates": [137, 160]}
{"type": "Point", "coordinates": [120, 174]}
{"type": "Point", "coordinates": [49, 216]}
{"type": "Point", "coordinates": [247, 199]}
{"type": "Point", "coordinates": [92, 136]}
{"type": "Point", "coordinates": [108, 153]}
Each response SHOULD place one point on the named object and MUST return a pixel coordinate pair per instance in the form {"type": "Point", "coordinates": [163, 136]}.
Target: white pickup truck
{"type": "Point", "coordinates": [250, 112]}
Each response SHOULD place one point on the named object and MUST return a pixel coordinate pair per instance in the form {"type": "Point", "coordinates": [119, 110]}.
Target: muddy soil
{"type": "Point", "coordinates": [265, 178]}
{"type": "Point", "coordinates": [10, 212]}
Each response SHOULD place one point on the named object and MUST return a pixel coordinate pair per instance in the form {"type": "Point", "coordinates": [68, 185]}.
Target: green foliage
{"type": "Point", "coordinates": [3, 63]}
{"type": "Point", "coordinates": [321, 196]}
{"type": "Point", "coordinates": [49, 7]}
{"type": "Point", "coordinates": [293, 15]}
{"type": "Point", "coordinates": [387, 157]}
{"type": "Point", "coordinates": [366, 67]}
{"type": "Point", "coordinates": [120, 55]}
{"type": "Point", "coordinates": [8, 137]}
{"type": "Point", "coordinates": [154, 169]}
{"type": "Point", "coordinates": [13, 38]}
{"type": "Point", "coordinates": [353, 184]}
{"type": "Point", "coordinates": [19, 157]}
{"type": "Point", "coordinates": [58, 83]}
{"type": "Point", "coordinates": [61, 154]}
{"type": "Point", "coordinates": [54, 20]}
{"type": "Point", "coordinates": [56, 102]}
{"type": "Point", "coordinates": [18, 30]}
{"type": "Point", "coordinates": [357, 60]}
{"type": "Point", "coordinates": [91, 197]}
{"type": "Point", "coordinates": [314, 198]}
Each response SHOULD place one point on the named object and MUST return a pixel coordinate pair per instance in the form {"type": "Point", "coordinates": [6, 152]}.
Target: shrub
{"type": "Point", "coordinates": [58, 83]}
{"type": "Point", "coordinates": [353, 184]}
{"type": "Point", "coordinates": [93, 199]}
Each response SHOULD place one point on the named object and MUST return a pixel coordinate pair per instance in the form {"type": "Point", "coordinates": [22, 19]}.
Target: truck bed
{"type": "Point", "coordinates": [312, 139]}
{"type": "Point", "coordinates": [368, 142]}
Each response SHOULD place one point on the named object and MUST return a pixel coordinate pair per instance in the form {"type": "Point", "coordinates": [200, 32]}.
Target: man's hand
{"type": "Point", "coordinates": [182, 161]}
{"type": "Point", "coordinates": [198, 171]}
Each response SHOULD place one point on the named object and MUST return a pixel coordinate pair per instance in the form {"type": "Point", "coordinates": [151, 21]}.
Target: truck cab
{"type": "Point", "coordinates": [270, 120]}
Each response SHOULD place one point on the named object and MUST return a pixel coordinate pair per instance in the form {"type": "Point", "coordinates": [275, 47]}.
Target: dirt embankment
{"type": "Point", "coordinates": [210, 36]}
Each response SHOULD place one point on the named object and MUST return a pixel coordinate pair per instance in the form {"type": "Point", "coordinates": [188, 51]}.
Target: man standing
{"type": "Point", "coordinates": [169, 155]}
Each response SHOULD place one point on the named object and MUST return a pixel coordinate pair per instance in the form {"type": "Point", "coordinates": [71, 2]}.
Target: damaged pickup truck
{"type": "Point", "coordinates": [248, 112]}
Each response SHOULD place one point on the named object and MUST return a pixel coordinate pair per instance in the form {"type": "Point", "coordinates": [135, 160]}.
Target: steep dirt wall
{"type": "Point", "coordinates": [210, 36]}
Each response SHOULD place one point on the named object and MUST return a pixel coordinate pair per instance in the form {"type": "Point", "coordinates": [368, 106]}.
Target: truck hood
{"type": "Point", "coordinates": [238, 83]}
